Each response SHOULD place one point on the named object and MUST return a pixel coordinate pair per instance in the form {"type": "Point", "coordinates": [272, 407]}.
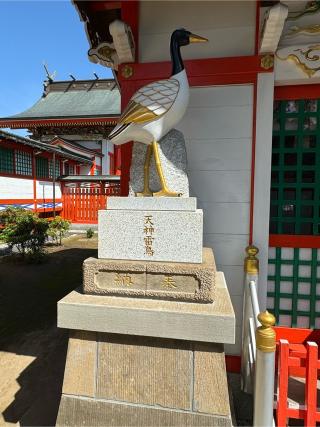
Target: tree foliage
{"type": "Point", "coordinates": [58, 228]}
{"type": "Point", "coordinates": [24, 230]}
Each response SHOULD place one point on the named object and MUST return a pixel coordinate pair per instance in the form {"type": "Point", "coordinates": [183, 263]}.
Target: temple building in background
{"type": "Point", "coordinates": [72, 119]}
{"type": "Point", "coordinates": [77, 114]}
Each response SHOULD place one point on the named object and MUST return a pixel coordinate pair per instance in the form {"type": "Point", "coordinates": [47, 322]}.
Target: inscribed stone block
{"type": "Point", "coordinates": [178, 281]}
{"type": "Point", "coordinates": [173, 236]}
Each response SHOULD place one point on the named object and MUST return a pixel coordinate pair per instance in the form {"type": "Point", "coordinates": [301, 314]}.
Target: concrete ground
{"type": "Point", "coordinates": [31, 372]}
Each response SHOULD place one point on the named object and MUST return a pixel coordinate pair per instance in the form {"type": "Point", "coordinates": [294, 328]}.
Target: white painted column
{"type": "Point", "coordinates": [262, 178]}
{"type": "Point", "coordinates": [107, 147]}
{"type": "Point", "coordinates": [105, 159]}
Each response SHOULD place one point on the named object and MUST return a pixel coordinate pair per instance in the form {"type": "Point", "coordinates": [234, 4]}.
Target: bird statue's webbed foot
{"type": "Point", "coordinates": [166, 193]}
{"type": "Point", "coordinates": [145, 193]}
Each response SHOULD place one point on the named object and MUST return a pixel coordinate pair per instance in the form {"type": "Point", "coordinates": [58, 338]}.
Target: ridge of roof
{"type": "Point", "coordinates": [75, 145]}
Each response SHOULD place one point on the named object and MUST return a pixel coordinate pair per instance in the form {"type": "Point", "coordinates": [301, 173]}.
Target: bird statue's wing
{"type": "Point", "coordinates": [150, 102]}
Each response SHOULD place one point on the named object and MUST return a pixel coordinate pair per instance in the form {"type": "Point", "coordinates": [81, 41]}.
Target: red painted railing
{"type": "Point", "coordinates": [298, 366]}
{"type": "Point", "coordinates": [81, 201]}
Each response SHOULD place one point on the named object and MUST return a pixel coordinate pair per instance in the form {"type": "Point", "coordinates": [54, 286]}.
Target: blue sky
{"type": "Point", "coordinates": [33, 32]}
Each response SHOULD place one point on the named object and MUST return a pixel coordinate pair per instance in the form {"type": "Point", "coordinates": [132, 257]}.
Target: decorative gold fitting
{"type": "Point", "coordinates": [265, 334]}
{"type": "Point", "coordinates": [127, 71]}
{"type": "Point", "coordinates": [251, 262]}
{"type": "Point", "coordinates": [267, 62]}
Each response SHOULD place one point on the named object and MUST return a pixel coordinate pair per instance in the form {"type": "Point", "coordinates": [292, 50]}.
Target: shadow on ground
{"type": "Point", "coordinates": [242, 402]}
{"type": "Point", "coordinates": [36, 401]}
{"type": "Point", "coordinates": [32, 348]}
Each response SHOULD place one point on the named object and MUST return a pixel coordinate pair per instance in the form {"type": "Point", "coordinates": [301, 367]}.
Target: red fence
{"type": "Point", "coordinates": [297, 391]}
{"type": "Point", "coordinates": [82, 200]}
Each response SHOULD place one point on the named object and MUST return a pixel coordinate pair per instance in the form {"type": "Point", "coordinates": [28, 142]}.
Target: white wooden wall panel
{"type": "Point", "coordinates": [204, 159]}
{"type": "Point", "coordinates": [234, 278]}
{"type": "Point", "coordinates": [44, 190]}
{"type": "Point", "coordinates": [16, 188]}
{"type": "Point", "coordinates": [221, 122]}
{"type": "Point", "coordinates": [229, 26]}
{"type": "Point", "coordinates": [228, 248]}
{"type": "Point", "coordinates": [221, 186]}
{"type": "Point", "coordinates": [230, 218]}
{"type": "Point", "coordinates": [218, 132]}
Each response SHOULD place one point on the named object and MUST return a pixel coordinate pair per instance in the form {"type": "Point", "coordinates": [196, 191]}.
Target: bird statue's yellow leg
{"type": "Point", "coordinates": [146, 189]}
{"type": "Point", "coordinates": [165, 191]}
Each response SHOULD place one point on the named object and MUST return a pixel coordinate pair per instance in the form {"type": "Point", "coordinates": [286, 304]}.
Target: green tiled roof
{"type": "Point", "coordinates": [97, 98]}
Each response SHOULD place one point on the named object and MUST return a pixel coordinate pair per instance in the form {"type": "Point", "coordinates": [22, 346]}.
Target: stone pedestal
{"type": "Point", "coordinates": [136, 362]}
{"type": "Point", "coordinates": [147, 333]}
{"type": "Point", "coordinates": [163, 280]}
{"type": "Point", "coordinates": [151, 229]}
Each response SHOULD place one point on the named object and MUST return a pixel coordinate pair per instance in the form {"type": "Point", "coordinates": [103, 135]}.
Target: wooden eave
{"type": "Point", "coordinates": [34, 122]}
{"type": "Point", "coordinates": [60, 142]}
{"type": "Point", "coordinates": [6, 137]}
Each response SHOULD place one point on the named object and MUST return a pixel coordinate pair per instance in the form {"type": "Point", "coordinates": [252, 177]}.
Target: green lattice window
{"type": "Point", "coordinates": [6, 160]}
{"type": "Point", "coordinates": [71, 169]}
{"type": "Point", "coordinates": [57, 167]}
{"type": "Point", "coordinates": [23, 163]}
{"type": "Point", "coordinates": [294, 286]}
{"type": "Point", "coordinates": [295, 175]}
{"type": "Point", "coordinates": [42, 167]}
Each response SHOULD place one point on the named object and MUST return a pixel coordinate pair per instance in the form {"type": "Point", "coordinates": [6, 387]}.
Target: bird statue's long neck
{"type": "Point", "coordinates": [177, 63]}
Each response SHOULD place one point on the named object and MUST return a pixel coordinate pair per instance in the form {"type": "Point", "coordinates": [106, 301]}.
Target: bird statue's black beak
{"type": "Point", "coordinates": [193, 38]}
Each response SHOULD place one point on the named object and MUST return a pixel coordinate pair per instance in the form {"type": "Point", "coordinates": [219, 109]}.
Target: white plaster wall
{"type": "Point", "coordinates": [218, 132]}
{"type": "Point", "coordinates": [229, 26]}
{"type": "Point", "coordinates": [16, 188]}
{"type": "Point", "coordinates": [44, 190]}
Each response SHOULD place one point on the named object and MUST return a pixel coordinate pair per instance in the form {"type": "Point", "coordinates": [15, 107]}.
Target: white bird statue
{"type": "Point", "coordinates": [155, 109]}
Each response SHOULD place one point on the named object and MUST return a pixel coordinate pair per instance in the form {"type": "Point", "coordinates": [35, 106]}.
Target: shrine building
{"type": "Point", "coordinates": [71, 119]}
{"type": "Point", "coordinates": [252, 130]}
{"type": "Point", "coordinates": [29, 172]}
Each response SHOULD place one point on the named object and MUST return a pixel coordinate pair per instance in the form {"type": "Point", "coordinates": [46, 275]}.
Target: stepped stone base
{"type": "Point", "coordinates": [121, 380]}
{"type": "Point", "coordinates": [144, 362]}
{"type": "Point", "coordinates": [177, 281]}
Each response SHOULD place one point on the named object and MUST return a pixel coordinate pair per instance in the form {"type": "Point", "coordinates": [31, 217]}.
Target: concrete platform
{"type": "Point", "coordinates": [212, 322]}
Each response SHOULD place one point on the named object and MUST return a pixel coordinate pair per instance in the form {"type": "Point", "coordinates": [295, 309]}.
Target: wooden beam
{"type": "Point", "coordinates": [241, 69]}
{"type": "Point", "coordinates": [99, 6]}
